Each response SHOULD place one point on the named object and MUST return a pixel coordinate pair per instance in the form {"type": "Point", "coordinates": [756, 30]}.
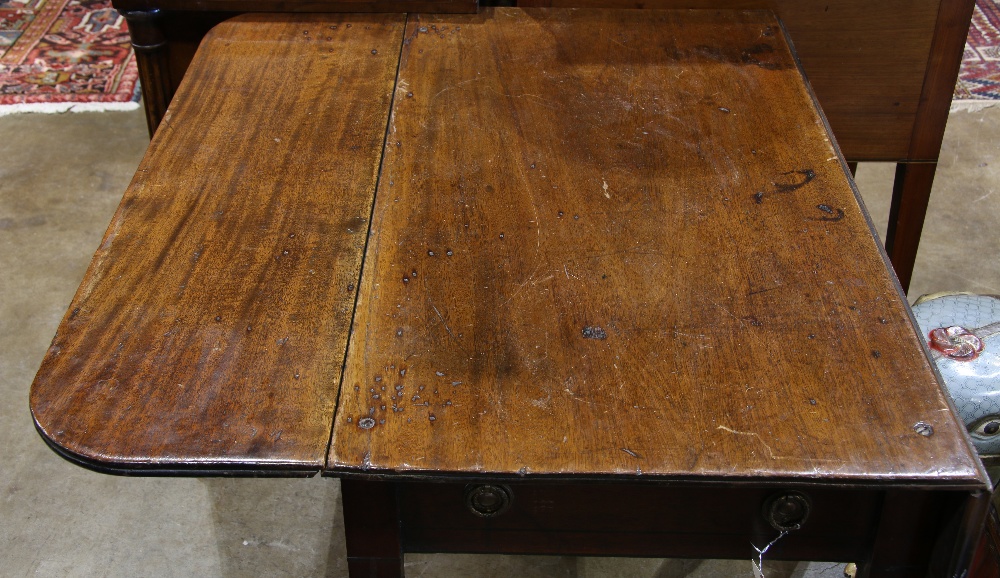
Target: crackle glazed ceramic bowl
{"type": "Point", "coordinates": [963, 333]}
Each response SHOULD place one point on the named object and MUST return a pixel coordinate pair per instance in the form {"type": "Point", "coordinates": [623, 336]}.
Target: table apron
{"type": "Point", "coordinates": [655, 520]}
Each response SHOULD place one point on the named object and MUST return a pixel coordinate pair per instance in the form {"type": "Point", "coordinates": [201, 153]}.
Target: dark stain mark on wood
{"type": "Point", "coordinates": [764, 290]}
{"type": "Point", "coordinates": [594, 332]}
{"type": "Point", "coordinates": [835, 214]}
{"type": "Point", "coordinates": [798, 179]}
{"type": "Point", "coordinates": [356, 225]}
{"type": "Point", "coordinates": [787, 182]}
{"type": "Point", "coordinates": [762, 55]}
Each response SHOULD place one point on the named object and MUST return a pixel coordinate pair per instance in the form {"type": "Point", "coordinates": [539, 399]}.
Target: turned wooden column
{"type": "Point", "coordinates": [150, 46]}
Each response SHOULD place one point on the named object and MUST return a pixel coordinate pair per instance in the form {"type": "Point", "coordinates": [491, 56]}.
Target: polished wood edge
{"type": "Point", "coordinates": [887, 257]}
{"type": "Point", "coordinates": [903, 280]}
{"type": "Point", "coordinates": [930, 482]}
{"type": "Point", "coordinates": [200, 470]}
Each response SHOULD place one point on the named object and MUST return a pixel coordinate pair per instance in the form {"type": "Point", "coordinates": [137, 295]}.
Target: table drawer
{"type": "Point", "coordinates": [650, 519]}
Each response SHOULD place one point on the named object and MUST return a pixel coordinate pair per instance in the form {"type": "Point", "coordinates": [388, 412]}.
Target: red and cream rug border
{"type": "Point", "coordinates": [74, 55]}
{"type": "Point", "coordinates": [978, 84]}
{"type": "Point", "coordinates": [65, 55]}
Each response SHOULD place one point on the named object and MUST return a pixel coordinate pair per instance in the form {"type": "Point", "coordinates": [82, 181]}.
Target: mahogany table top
{"type": "Point", "coordinates": [209, 331]}
{"type": "Point", "coordinates": [581, 243]}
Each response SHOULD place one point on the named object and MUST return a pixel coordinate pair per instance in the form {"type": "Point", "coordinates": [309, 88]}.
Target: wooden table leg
{"type": "Point", "coordinates": [970, 527]}
{"type": "Point", "coordinates": [925, 534]}
{"type": "Point", "coordinates": [371, 525]}
{"type": "Point", "coordinates": [911, 193]}
{"type": "Point", "coordinates": [986, 562]}
{"type": "Point", "coordinates": [150, 46]}
{"type": "Point", "coordinates": [912, 188]}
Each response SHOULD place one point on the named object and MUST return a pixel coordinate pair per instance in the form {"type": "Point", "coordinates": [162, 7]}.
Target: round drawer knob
{"type": "Point", "coordinates": [488, 500]}
{"type": "Point", "coordinates": [787, 511]}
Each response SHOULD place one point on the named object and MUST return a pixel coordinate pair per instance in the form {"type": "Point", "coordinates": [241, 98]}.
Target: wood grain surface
{"type": "Point", "coordinates": [209, 332]}
{"type": "Point", "coordinates": [866, 61]}
{"type": "Point", "coordinates": [621, 243]}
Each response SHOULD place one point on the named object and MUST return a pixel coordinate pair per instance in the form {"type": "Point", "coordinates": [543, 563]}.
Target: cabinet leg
{"type": "Point", "coordinates": [371, 525]}
{"type": "Point", "coordinates": [911, 193]}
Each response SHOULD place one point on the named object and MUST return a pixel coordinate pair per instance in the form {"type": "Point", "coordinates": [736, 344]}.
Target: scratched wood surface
{"type": "Point", "coordinates": [210, 329]}
{"type": "Point", "coordinates": [621, 243]}
{"type": "Point", "coordinates": [865, 60]}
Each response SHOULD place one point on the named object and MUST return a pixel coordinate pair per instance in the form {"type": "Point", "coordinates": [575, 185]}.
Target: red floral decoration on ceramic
{"type": "Point", "coordinates": [956, 343]}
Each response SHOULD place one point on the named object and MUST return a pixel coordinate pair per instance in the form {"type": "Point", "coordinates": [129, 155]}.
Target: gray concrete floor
{"type": "Point", "coordinates": [61, 177]}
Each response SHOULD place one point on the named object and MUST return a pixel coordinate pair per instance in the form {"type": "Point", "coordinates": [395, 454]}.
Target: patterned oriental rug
{"type": "Point", "coordinates": [979, 81]}
{"type": "Point", "coordinates": [59, 55]}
